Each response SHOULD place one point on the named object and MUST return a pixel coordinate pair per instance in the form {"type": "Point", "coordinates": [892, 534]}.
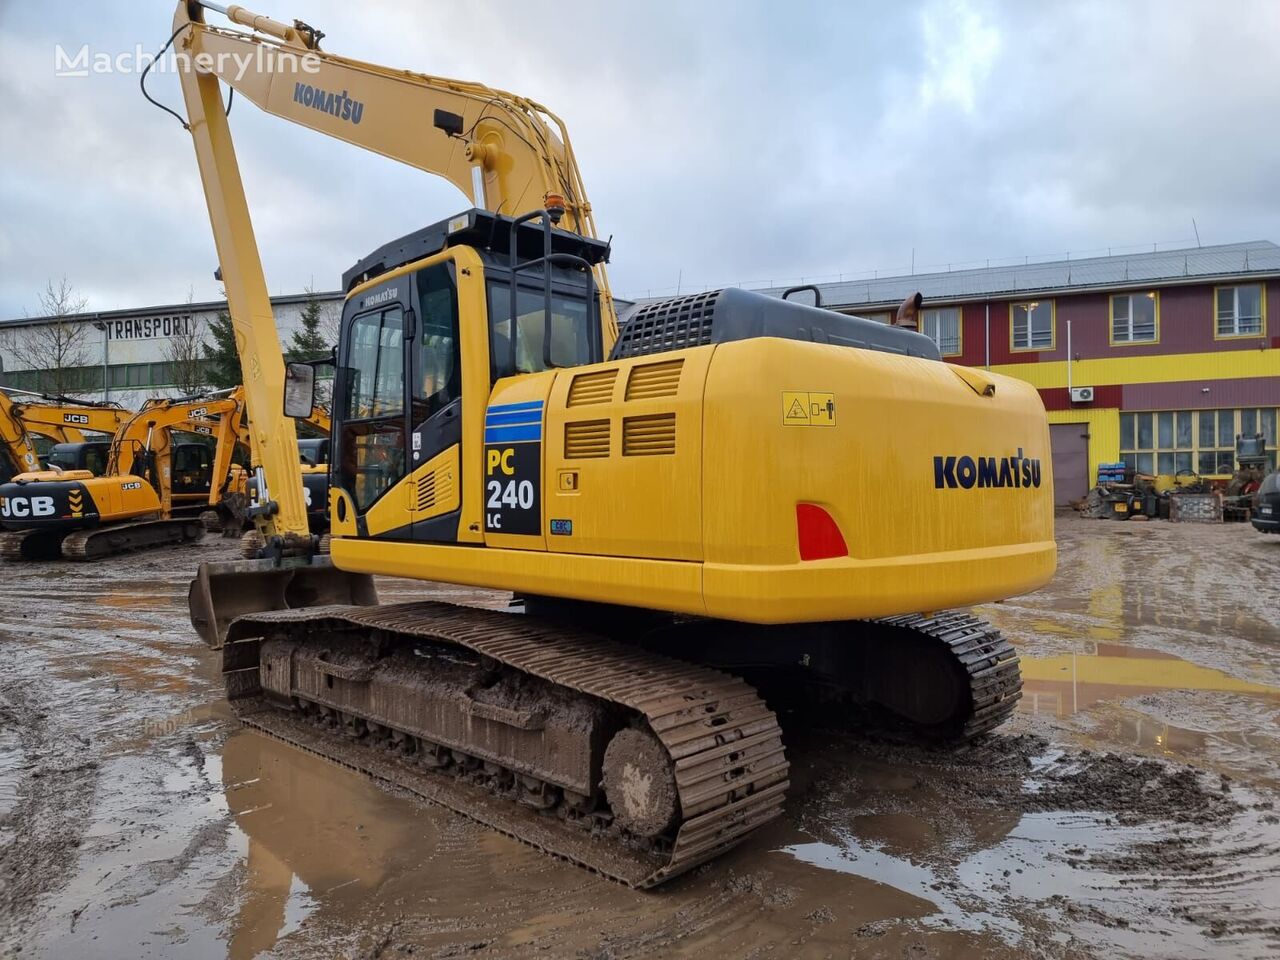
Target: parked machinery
{"type": "Point", "coordinates": [699, 490]}
{"type": "Point", "coordinates": [149, 482]}
{"type": "Point", "coordinates": [24, 417]}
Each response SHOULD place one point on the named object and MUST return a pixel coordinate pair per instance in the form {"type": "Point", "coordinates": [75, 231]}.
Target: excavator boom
{"type": "Point", "coordinates": [506, 152]}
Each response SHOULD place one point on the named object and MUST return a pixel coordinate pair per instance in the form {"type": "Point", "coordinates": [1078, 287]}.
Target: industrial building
{"type": "Point", "coordinates": [1158, 359]}
{"type": "Point", "coordinates": [130, 350]}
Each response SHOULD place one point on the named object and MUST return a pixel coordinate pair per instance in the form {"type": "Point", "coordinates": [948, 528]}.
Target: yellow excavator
{"type": "Point", "coordinates": [718, 485]}
{"type": "Point", "coordinates": [138, 501]}
{"type": "Point", "coordinates": [60, 419]}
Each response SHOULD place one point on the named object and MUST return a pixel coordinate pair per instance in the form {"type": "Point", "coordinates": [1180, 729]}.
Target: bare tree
{"type": "Point", "coordinates": [184, 351]}
{"type": "Point", "coordinates": [60, 344]}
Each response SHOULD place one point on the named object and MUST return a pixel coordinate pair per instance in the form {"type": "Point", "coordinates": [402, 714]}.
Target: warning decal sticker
{"type": "Point", "coordinates": [808, 408]}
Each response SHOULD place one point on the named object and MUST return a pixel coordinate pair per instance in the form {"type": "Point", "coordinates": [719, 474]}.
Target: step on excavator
{"type": "Point", "coordinates": [139, 501]}
{"type": "Point", "coordinates": [60, 419]}
{"type": "Point", "coordinates": [675, 500]}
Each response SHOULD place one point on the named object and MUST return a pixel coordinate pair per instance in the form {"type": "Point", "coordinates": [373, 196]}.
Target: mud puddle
{"type": "Point", "coordinates": [137, 819]}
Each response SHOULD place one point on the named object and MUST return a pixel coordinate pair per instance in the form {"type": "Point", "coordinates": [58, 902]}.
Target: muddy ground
{"type": "Point", "coordinates": [1126, 811]}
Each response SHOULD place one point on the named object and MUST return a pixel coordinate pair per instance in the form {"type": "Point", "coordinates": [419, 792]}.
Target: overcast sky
{"type": "Point", "coordinates": [720, 142]}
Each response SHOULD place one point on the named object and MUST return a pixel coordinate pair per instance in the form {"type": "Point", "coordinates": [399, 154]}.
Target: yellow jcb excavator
{"type": "Point", "coordinates": [62, 420]}
{"type": "Point", "coordinates": [702, 490]}
{"type": "Point", "coordinates": [138, 501]}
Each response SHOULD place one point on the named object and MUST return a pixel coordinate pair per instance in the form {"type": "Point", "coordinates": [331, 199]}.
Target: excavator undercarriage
{"type": "Point", "coordinates": [563, 738]}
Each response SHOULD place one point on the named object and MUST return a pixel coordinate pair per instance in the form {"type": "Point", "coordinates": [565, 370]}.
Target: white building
{"type": "Point", "coordinates": [135, 348]}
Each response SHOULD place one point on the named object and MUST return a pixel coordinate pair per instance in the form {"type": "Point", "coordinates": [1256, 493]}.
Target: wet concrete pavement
{"type": "Point", "coordinates": [1125, 811]}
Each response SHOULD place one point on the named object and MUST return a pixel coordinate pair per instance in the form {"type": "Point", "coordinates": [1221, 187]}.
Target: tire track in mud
{"type": "Point", "coordinates": [1146, 848]}
{"type": "Point", "coordinates": [54, 796]}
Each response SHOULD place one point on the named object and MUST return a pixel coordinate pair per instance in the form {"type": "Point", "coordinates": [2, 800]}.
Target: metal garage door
{"type": "Point", "coordinates": [1070, 445]}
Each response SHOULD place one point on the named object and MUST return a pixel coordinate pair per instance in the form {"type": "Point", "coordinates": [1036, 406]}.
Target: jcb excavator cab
{"type": "Point", "coordinates": [313, 451]}
{"type": "Point", "coordinates": [192, 469]}
{"type": "Point", "coordinates": [88, 455]}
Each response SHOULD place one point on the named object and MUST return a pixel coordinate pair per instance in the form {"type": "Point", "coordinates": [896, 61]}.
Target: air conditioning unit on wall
{"type": "Point", "coordinates": [1082, 394]}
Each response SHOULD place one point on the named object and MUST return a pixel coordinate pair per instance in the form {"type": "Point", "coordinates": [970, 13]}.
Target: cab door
{"type": "Point", "coordinates": [434, 497]}
{"type": "Point", "coordinates": [371, 388]}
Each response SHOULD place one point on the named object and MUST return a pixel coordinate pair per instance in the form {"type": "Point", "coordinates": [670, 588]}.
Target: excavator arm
{"type": "Point", "coordinates": [508, 153]}
{"type": "Point", "coordinates": [148, 431]}
{"type": "Point", "coordinates": [48, 417]}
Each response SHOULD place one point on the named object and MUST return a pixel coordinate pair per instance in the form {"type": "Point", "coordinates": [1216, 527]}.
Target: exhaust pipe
{"type": "Point", "coordinates": [909, 312]}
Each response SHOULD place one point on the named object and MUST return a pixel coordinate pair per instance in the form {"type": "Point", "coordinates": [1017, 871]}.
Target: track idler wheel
{"type": "Point", "coordinates": [640, 783]}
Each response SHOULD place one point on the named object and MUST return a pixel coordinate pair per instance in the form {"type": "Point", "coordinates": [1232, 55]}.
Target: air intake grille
{"type": "Point", "coordinates": [586, 439]}
{"type": "Point", "coordinates": [592, 388]}
{"type": "Point", "coordinates": [436, 487]}
{"type": "Point", "coordinates": [651, 380]}
{"type": "Point", "coordinates": [653, 436]}
{"type": "Point", "coordinates": [667, 325]}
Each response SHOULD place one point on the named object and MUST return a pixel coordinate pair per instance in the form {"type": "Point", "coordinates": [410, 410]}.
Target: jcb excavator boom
{"type": "Point", "coordinates": [59, 418]}
{"type": "Point", "coordinates": [17, 449]}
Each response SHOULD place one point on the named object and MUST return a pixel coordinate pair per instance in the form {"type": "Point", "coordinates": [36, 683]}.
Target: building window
{"type": "Point", "coordinates": [1193, 441]}
{"type": "Point", "coordinates": [1031, 325]}
{"type": "Point", "coordinates": [942, 326]}
{"type": "Point", "coordinates": [1135, 317]}
{"type": "Point", "coordinates": [1239, 311]}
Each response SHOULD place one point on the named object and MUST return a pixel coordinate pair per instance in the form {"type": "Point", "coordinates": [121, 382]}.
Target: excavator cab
{"type": "Point", "coordinates": [192, 465]}
{"type": "Point", "coordinates": [91, 455]}
{"type": "Point", "coordinates": [470, 300]}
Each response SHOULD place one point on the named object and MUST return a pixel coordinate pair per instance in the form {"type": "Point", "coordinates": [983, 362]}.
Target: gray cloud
{"type": "Point", "coordinates": [721, 142]}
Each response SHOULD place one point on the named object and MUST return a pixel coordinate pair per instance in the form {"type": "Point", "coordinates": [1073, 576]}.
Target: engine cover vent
{"type": "Point", "coordinates": [435, 487]}
{"type": "Point", "coordinates": [652, 436]}
{"type": "Point", "coordinates": [586, 439]}
{"type": "Point", "coordinates": [667, 325]}
{"type": "Point", "coordinates": [588, 388]}
{"type": "Point", "coordinates": [649, 381]}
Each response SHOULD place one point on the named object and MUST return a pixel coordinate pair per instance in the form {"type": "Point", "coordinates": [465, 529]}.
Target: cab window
{"type": "Point", "coordinates": [375, 367]}
{"type": "Point", "coordinates": [373, 427]}
{"type": "Point", "coordinates": [439, 374]}
{"type": "Point", "coordinates": [570, 337]}
{"type": "Point", "coordinates": [95, 460]}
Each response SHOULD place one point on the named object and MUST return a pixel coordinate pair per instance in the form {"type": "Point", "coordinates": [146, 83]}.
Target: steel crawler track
{"type": "Point", "coordinates": [985, 656]}
{"type": "Point", "coordinates": [97, 542]}
{"type": "Point", "coordinates": [724, 742]}
{"type": "Point", "coordinates": [123, 537]}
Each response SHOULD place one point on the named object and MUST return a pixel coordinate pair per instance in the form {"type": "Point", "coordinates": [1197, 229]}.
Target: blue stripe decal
{"type": "Point", "coordinates": [513, 434]}
{"type": "Point", "coordinates": [519, 416]}
{"type": "Point", "coordinates": [510, 407]}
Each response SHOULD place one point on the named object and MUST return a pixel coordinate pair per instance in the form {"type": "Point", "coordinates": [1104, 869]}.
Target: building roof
{"type": "Point", "coordinates": [208, 306]}
{"type": "Point", "coordinates": [1193, 264]}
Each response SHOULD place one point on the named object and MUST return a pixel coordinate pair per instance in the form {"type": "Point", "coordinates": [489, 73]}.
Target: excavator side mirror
{"type": "Point", "coordinates": [299, 390]}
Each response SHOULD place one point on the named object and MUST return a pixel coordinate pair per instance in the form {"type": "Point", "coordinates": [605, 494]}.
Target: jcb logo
{"type": "Point", "coordinates": [197, 412]}
{"type": "Point", "coordinates": [75, 418]}
{"type": "Point", "coordinates": [17, 507]}
{"type": "Point", "coordinates": [131, 485]}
